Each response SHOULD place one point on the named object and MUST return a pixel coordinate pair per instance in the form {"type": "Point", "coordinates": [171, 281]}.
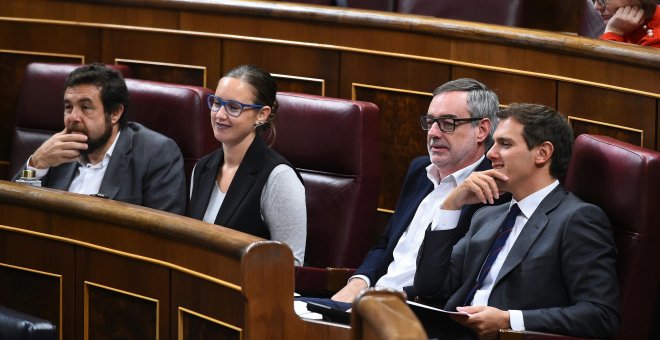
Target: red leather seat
{"type": "Point", "coordinates": [177, 111]}
{"type": "Point", "coordinates": [334, 145]}
{"type": "Point", "coordinates": [624, 180]}
{"type": "Point", "coordinates": [40, 112]}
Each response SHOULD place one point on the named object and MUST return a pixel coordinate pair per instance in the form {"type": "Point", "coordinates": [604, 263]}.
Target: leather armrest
{"type": "Point", "coordinates": [15, 325]}
{"type": "Point", "coordinates": [312, 281]}
{"type": "Point", "coordinates": [506, 334]}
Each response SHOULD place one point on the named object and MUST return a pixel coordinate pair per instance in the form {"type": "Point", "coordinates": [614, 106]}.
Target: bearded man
{"type": "Point", "coordinates": [100, 152]}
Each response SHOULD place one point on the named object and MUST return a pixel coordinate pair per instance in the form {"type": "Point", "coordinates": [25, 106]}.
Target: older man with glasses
{"type": "Point", "coordinates": [459, 124]}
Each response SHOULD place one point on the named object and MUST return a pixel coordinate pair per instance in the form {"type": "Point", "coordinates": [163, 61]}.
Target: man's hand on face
{"type": "Point", "coordinates": [485, 321]}
{"type": "Point", "coordinates": [62, 147]}
{"type": "Point", "coordinates": [350, 291]}
{"type": "Point", "coordinates": [625, 20]}
{"type": "Point", "coordinates": [479, 187]}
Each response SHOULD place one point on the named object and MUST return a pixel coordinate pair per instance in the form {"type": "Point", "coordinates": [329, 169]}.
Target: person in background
{"type": "Point", "coordinates": [545, 262]}
{"type": "Point", "coordinates": [100, 152]}
{"type": "Point", "coordinates": [245, 185]}
{"type": "Point", "coordinates": [630, 21]}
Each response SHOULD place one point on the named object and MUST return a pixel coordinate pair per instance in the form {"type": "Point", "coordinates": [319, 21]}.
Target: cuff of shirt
{"type": "Point", "coordinates": [362, 277]}
{"type": "Point", "coordinates": [516, 320]}
{"type": "Point", "coordinates": [445, 219]}
{"type": "Point", "coordinates": [38, 173]}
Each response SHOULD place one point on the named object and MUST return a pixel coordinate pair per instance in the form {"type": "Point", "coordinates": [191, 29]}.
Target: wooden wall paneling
{"type": "Point", "coordinates": [305, 29]}
{"type": "Point", "coordinates": [46, 37]}
{"type": "Point", "coordinates": [594, 127]}
{"type": "Point", "coordinates": [203, 307]}
{"type": "Point", "coordinates": [91, 12]}
{"type": "Point", "coordinates": [147, 245]}
{"type": "Point", "coordinates": [286, 61]}
{"type": "Point", "coordinates": [390, 71]}
{"type": "Point", "coordinates": [166, 72]}
{"type": "Point", "coordinates": [300, 84]}
{"type": "Point", "coordinates": [113, 314]}
{"type": "Point", "coordinates": [36, 282]}
{"type": "Point", "coordinates": [401, 136]}
{"type": "Point", "coordinates": [540, 60]}
{"type": "Point", "coordinates": [115, 292]}
{"type": "Point", "coordinates": [12, 70]}
{"type": "Point", "coordinates": [197, 326]}
{"type": "Point", "coordinates": [183, 54]}
{"type": "Point", "coordinates": [511, 87]}
{"type": "Point", "coordinates": [610, 112]}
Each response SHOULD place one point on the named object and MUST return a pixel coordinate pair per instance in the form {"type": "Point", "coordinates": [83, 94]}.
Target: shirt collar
{"type": "Point", "coordinates": [459, 176]}
{"type": "Point", "coordinates": [529, 204]}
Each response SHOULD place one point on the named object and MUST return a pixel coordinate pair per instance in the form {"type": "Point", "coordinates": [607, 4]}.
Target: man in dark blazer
{"type": "Point", "coordinates": [460, 122]}
{"type": "Point", "coordinates": [100, 152]}
{"type": "Point", "coordinates": [548, 266]}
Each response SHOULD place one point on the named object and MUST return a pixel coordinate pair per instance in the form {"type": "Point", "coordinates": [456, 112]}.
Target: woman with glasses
{"type": "Point", "coordinates": [245, 185]}
{"type": "Point", "coordinates": [630, 21]}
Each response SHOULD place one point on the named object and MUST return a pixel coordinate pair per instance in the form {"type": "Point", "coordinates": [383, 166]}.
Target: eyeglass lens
{"type": "Point", "coordinates": [445, 124]}
{"type": "Point", "coordinates": [232, 108]}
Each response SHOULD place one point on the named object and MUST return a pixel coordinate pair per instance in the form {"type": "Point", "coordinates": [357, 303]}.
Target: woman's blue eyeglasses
{"type": "Point", "coordinates": [232, 107]}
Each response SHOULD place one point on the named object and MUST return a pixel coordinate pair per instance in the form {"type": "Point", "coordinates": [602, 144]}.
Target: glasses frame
{"type": "Point", "coordinates": [423, 120]}
{"type": "Point", "coordinates": [211, 99]}
{"type": "Point", "coordinates": [602, 3]}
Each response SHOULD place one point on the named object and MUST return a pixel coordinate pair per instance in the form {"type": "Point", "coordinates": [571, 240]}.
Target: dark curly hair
{"type": "Point", "coordinates": [114, 92]}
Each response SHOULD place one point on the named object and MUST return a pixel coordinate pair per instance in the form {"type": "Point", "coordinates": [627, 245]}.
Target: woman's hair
{"type": "Point", "coordinates": [264, 90]}
{"type": "Point", "coordinates": [649, 7]}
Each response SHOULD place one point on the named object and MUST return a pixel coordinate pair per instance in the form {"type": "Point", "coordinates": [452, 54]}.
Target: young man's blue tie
{"type": "Point", "coordinates": [503, 235]}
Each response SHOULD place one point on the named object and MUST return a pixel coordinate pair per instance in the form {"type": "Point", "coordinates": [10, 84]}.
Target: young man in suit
{"type": "Point", "coordinates": [101, 152]}
{"type": "Point", "coordinates": [548, 266]}
{"type": "Point", "coordinates": [459, 124]}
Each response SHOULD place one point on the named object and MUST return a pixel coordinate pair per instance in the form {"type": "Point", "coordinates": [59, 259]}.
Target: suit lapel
{"type": "Point", "coordinates": [243, 181]}
{"type": "Point", "coordinates": [530, 232]}
{"type": "Point", "coordinates": [422, 189]}
{"type": "Point", "coordinates": [481, 241]}
{"type": "Point", "coordinates": [207, 178]}
{"type": "Point", "coordinates": [121, 156]}
{"type": "Point", "coordinates": [61, 176]}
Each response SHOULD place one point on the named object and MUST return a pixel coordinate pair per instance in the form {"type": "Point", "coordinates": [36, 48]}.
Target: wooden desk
{"type": "Point", "coordinates": [102, 269]}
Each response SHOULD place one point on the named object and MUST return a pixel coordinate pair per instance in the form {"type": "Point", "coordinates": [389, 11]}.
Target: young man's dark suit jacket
{"type": "Point", "coordinates": [560, 271]}
{"type": "Point", "coordinates": [146, 168]}
{"type": "Point", "coordinates": [416, 186]}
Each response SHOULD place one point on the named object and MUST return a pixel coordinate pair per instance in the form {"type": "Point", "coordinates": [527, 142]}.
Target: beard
{"type": "Point", "coordinates": [93, 144]}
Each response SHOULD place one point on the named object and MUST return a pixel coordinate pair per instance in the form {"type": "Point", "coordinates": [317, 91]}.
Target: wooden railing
{"type": "Point", "coordinates": [102, 269]}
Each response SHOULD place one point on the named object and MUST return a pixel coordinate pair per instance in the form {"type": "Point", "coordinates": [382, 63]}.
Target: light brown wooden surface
{"type": "Point", "coordinates": [105, 269]}
{"type": "Point", "coordinates": [384, 315]}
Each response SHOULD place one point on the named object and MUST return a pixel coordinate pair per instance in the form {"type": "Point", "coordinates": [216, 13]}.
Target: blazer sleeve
{"type": "Point", "coordinates": [380, 256]}
{"type": "Point", "coordinates": [164, 186]}
{"type": "Point", "coordinates": [438, 265]}
{"type": "Point", "coordinates": [588, 262]}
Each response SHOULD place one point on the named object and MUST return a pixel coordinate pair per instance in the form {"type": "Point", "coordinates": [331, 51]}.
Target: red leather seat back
{"type": "Point", "coordinates": [176, 111]}
{"type": "Point", "coordinates": [624, 180]}
{"type": "Point", "coordinates": [334, 144]}
{"type": "Point", "coordinates": [40, 109]}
